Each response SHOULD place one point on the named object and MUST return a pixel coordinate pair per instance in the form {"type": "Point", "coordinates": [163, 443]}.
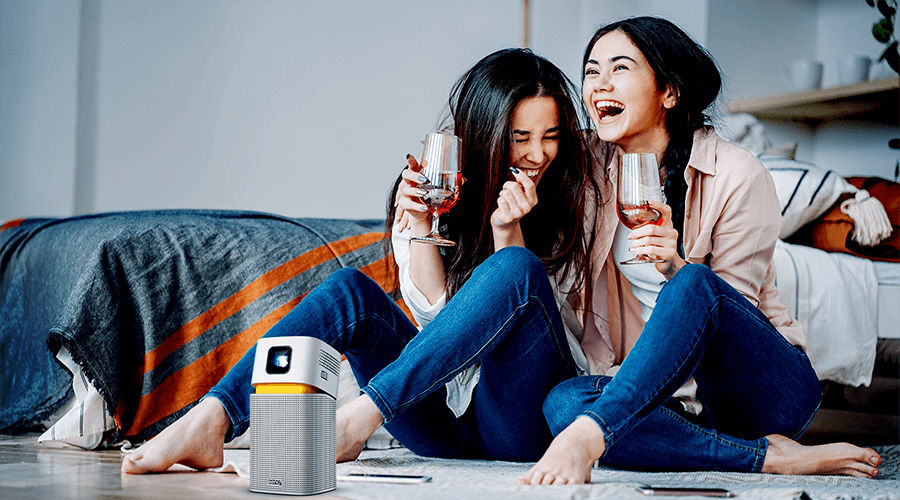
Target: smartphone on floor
{"type": "Point", "coordinates": [384, 478]}
{"type": "Point", "coordinates": [685, 491]}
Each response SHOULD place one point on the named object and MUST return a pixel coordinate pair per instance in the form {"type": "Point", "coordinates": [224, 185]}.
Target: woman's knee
{"type": "Point", "coordinates": [349, 286]}
{"type": "Point", "coordinates": [513, 262]}
{"type": "Point", "coordinates": [347, 278]}
{"type": "Point", "coordinates": [694, 274]}
{"type": "Point", "coordinates": [696, 278]}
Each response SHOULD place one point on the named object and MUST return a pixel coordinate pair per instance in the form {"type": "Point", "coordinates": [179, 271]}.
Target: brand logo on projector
{"type": "Point", "coordinates": [274, 482]}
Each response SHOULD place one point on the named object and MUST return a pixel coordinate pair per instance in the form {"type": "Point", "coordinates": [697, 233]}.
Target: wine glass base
{"type": "Point", "coordinates": [432, 240]}
{"type": "Point", "coordinates": [638, 260]}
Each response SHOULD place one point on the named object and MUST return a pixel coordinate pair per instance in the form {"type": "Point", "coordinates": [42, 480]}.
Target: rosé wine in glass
{"type": "Point", "coordinates": [440, 165]}
{"type": "Point", "coordinates": [637, 186]}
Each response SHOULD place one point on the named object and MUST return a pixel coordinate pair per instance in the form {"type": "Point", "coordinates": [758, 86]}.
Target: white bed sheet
{"type": "Point", "coordinates": [835, 298]}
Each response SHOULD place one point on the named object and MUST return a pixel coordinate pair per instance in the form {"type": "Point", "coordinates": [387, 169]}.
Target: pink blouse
{"type": "Point", "coordinates": [731, 223]}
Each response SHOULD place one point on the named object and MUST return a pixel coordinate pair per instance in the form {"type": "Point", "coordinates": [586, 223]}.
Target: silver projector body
{"type": "Point", "coordinates": [292, 435]}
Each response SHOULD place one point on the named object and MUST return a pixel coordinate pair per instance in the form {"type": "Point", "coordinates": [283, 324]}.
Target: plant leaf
{"type": "Point", "coordinates": [885, 8]}
{"type": "Point", "coordinates": [890, 55]}
{"type": "Point", "coordinates": [882, 31]}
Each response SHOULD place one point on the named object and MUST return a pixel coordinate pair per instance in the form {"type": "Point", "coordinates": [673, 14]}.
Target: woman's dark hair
{"type": "Point", "coordinates": [481, 106]}
{"type": "Point", "coordinates": [683, 65]}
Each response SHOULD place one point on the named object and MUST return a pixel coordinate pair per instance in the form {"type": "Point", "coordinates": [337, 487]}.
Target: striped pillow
{"type": "Point", "coordinates": [805, 191]}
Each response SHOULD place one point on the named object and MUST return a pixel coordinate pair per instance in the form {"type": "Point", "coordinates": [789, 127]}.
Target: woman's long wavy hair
{"type": "Point", "coordinates": [481, 106]}
{"type": "Point", "coordinates": [682, 64]}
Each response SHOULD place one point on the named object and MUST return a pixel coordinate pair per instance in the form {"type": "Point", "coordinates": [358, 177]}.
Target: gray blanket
{"type": "Point", "coordinates": [156, 306]}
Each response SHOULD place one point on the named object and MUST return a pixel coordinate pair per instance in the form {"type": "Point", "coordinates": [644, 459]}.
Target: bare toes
{"type": "Point", "coordinates": [853, 472]}
{"type": "Point", "coordinates": [866, 469]}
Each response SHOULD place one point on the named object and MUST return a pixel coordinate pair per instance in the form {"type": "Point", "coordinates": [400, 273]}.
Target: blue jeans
{"type": "Point", "coordinates": [751, 381]}
{"type": "Point", "coordinates": [505, 317]}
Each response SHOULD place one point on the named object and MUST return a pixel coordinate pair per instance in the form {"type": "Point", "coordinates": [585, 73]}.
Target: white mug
{"type": "Point", "coordinates": [853, 69]}
{"type": "Point", "coordinates": [805, 74]}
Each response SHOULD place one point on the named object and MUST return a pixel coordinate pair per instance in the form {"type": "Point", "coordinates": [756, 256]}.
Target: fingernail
{"type": "Point", "coordinates": [423, 208]}
{"type": "Point", "coordinates": [514, 170]}
{"type": "Point", "coordinates": [422, 178]}
{"type": "Point", "coordinates": [421, 192]}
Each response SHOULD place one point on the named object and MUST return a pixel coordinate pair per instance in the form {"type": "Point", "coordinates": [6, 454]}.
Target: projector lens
{"type": "Point", "coordinates": [279, 360]}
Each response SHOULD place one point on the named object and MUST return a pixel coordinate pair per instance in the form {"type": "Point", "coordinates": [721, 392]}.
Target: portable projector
{"type": "Point", "coordinates": [292, 441]}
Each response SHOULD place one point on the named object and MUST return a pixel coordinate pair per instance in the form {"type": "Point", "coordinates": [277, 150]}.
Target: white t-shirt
{"type": "Point", "coordinates": [645, 280]}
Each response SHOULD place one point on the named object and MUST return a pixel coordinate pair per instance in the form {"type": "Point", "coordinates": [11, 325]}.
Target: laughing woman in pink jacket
{"type": "Point", "coordinates": [710, 371]}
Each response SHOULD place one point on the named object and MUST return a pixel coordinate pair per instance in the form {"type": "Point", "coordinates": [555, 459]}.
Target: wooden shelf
{"type": "Point", "coordinates": [872, 101]}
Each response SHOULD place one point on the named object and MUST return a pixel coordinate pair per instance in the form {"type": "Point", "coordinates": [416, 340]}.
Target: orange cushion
{"type": "Point", "coordinates": [831, 231]}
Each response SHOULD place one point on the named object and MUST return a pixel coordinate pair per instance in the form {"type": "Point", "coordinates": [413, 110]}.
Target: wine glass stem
{"type": "Point", "coordinates": [435, 218]}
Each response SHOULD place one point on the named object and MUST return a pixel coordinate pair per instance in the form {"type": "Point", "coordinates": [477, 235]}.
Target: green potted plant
{"type": "Point", "coordinates": [883, 31]}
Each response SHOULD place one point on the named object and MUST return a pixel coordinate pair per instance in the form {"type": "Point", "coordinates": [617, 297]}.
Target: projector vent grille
{"type": "Point", "coordinates": [331, 363]}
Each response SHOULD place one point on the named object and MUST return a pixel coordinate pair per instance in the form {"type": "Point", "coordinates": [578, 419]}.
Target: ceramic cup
{"type": "Point", "coordinates": [804, 74]}
{"type": "Point", "coordinates": [853, 69]}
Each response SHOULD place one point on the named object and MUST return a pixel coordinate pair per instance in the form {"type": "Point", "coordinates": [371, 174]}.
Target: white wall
{"type": "Point", "coordinates": [303, 108]}
{"type": "Point", "coordinates": [38, 98]}
{"type": "Point", "coordinates": [753, 42]}
{"type": "Point", "coordinates": [307, 107]}
{"type": "Point", "coordinates": [560, 30]}
{"type": "Point", "coordinates": [850, 147]}
{"type": "Point", "coordinates": [844, 27]}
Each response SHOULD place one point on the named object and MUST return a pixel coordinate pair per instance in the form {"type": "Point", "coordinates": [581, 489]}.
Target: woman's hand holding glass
{"type": "Point", "coordinates": [411, 210]}
{"type": "Point", "coordinates": [516, 199]}
{"type": "Point", "coordinates": [659, 240]}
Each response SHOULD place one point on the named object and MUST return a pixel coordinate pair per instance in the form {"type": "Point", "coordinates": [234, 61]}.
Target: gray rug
{"type": "Point", "coordinates": [496, 480]}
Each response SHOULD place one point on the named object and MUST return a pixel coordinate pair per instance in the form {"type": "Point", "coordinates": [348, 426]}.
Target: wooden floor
{"type": "Point", "coordinates": [28, 470]}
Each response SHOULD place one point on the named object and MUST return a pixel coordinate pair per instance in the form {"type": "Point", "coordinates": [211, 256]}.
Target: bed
{"type": "Point", "coordinates": [149, 309]}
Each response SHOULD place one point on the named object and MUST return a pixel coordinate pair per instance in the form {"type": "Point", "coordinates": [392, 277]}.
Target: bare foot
{"type": "Point", "coordinates": [786, 456]}
{"type": "Point", "coordinates": [356, 422]}
{"type": "Point", "coordinates": [196, 440]}
{"type": "Point", "coordinates": [569, 458]}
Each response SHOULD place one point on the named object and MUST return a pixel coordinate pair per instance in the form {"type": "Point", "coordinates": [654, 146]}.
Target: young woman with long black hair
{"type": "Point", "coordinates": [709, 370]}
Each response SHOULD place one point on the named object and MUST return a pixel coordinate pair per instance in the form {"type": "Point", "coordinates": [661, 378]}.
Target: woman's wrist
{"type": "Point", "coordinates": [677, 264]}
{"type": "Point", "coordinates": [508, 236]}
{"type": "Point", "coordinates": [419, 227]}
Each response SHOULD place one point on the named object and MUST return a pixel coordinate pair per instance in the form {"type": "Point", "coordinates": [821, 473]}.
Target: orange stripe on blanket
{"type": "Point", "coordinates": [384, 272]}
{"type": "Point", "coordinates": [11, 224]}
{"type": "Point", "coordinates": [253, 291]}
{"type": "Point", "coordinates": [186, 385]}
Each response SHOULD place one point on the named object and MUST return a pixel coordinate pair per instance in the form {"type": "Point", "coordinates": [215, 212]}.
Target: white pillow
{"type": "Point", "coordinates": [805, 191]}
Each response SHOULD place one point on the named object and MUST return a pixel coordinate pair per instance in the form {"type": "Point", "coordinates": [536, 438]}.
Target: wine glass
{"type": "Point", "coordinates": [638, 185]}
{"type": "Point", "coordinates": [440, 165]}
